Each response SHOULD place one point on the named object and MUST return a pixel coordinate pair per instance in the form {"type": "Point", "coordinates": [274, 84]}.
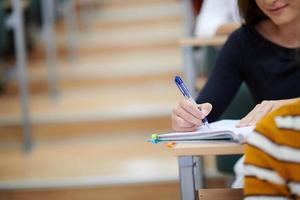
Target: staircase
{"type": "Point", "coordinates": [91, 140]}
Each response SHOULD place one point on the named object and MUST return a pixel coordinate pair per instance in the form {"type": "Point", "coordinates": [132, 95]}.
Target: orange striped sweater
{"type": "Point", "coordinates": [272, 158]}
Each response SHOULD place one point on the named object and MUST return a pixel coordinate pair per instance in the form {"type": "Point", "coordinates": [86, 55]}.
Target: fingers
{"type": "Point", "coordinates": [190, 108]}
{"type": "Point", "coordinates": [188, 112]}
{"type": "Point", "coordinates": [178, 124]}
{"type": "Point", "coordinates": [265, 108]}
{"type": "Point", "coordinates": [248, 118]}
{"type": "Point", "coordinates": [187, 116]}
{"type": "Point", "coordinates": [259, 111]}
{"type": "Point", "coordinates": [182, 122]}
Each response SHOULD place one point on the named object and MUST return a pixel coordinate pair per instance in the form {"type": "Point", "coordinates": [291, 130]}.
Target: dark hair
{"type": "Point", "coordinates": [251, 12]}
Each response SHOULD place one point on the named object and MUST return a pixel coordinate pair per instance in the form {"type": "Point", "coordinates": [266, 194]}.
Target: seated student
{"type": "Point", "coordinates": [272, 158]}
{"type": "Point", "coordinates": [215, 13]}
{"type": "Point", "coordinates": [263, 53]}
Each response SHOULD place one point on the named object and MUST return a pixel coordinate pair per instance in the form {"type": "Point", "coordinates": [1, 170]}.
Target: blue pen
{"type": "Point", "coordinates": [183, 89]}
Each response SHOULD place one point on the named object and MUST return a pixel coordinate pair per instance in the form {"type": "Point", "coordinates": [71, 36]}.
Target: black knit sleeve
{"type": "Point", "coordinates": [226, 77]}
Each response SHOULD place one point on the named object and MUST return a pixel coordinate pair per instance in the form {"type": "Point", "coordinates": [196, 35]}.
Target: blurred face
{"type": "Point", "coordinates": [281, 11]}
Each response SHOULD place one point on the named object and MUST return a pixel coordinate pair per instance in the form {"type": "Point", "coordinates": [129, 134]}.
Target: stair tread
{"type": "Point", "coordinates": [129, 64]}
{"type": "Point", "coordinates": [126, 3]}
{"type": "Point", "coordinates": [138, 12]}
{"type": "Point", "coordinates": [84, 162]}
{"type": "Point", "coordinates": [118, 25]}
{"type": "Point", "coordinates": [97, 104]}
{"type": "Point", "coordinates": [158, 32]}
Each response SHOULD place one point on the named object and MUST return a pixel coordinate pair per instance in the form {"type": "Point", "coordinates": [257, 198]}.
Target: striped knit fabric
{"type": "Point", "coordinates": [272, 159]}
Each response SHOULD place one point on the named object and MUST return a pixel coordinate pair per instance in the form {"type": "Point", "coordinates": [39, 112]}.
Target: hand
{"type": "Point", "coordinates": [187, 116]}
{"type": "Point", "coordinates": [260, 110]}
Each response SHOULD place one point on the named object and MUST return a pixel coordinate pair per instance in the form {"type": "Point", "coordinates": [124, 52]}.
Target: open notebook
{"type": "Point", "coordinates": [220, 130]}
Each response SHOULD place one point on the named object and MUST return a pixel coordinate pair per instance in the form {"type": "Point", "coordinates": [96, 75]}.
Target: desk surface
{"type": "Point", "coordinates": [207, 148]}
{"type": "Point", "coordinates": [198, 42]}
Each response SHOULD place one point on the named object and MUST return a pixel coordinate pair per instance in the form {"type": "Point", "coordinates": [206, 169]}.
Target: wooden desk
{"type": "Point", "coordinates": [202, 42]}
{"type": "Point", "coordinates": [190, 171]}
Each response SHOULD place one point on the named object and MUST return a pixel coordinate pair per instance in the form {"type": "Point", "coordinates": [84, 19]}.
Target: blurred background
{"type": "Point", "coordinates": [84, 84]}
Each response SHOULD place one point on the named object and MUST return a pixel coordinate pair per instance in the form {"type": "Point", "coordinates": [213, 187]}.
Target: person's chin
{"type": "Point", "coordinates": [280, 21]}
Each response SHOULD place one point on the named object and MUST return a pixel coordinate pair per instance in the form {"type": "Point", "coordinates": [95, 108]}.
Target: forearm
{"type": "Point", "coordinates": [286, 101]}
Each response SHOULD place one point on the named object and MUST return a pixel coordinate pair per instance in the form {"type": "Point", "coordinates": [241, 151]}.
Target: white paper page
{"type": "Point", "coordinates": [216, 127]}
{"type": "Point", "coordinates": [230, 125]}
{"type": "Point", "coordinates": [227, 124]}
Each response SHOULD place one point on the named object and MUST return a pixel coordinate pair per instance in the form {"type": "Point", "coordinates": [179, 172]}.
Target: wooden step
{"type": "Point", "coordinates": [41, 86]}
{"type": "Point", "coordinates": [112, 4]}
{"type": "Point", "coordinates": [111, 161]}
{"type": "Point", "coordinates": [88, 165]}
{"type": "Point", "coordinates": [12, 134]}
{"type": "Point", "coordinates": [139, 108]}
{"type": "Point", "coordinates": [115, 63]}
{"type": "Point", "coordinates": [110, 16]}
{"type": "Point", "coordinates": [89, 160]}
{"type": "Point", "coordinates": [111, 69]}
{"type": "Point", "coordinates": [124, 11]}
{"type": "Point", "coordinates": [161, 191]}
{"type": "Point", "coordinates": [116, 25]}
{"type": "Point", "coordinates": [39, 52]}
{"type": "Point", "coordinates": [135, 33]}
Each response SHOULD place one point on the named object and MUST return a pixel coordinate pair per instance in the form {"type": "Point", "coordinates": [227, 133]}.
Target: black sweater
{"type": "Point", "coordinates": [270, 71]}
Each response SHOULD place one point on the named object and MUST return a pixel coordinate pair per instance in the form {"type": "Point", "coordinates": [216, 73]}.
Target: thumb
{"type": "Point", "coordinates": [205, 108]}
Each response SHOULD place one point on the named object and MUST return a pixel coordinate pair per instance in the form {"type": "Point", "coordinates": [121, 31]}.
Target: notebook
{"type": "Point", "coordinates": [219, 130]}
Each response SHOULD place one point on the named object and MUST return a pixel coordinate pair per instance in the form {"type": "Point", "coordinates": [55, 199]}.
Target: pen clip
{"type": "Point", "coordinates": [182, 87]}
{"type": "Point", "coordinates": [186, 92]}
{"type": "Point", "coordinates": [181, 90]}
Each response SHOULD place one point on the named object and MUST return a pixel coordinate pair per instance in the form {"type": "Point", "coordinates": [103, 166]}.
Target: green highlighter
{"type": "Point", "coordinates": [154, 138]}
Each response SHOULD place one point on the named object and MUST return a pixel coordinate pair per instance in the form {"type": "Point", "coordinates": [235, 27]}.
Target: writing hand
{"type": "Point", "coordinates": [187, 116]}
